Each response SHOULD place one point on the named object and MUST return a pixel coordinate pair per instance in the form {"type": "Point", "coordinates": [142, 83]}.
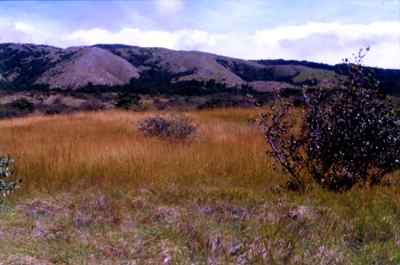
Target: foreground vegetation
{"type": "Point", "coordinates": [97, 191]}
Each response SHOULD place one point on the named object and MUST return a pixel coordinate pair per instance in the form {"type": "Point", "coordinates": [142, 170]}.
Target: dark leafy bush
{"type": "Point", "coordinates": [344, 136]}
{"type": "Point", "coordinates": [23, 105]}
{"type": "Point", "coordinates": [173, 127]}
{"type": "Point", "coordinates": [127, 101]}
{"type": "Point", "coordinates": [91, 105]}
{"type": "Point", "coordinates": [7, 112]}
{"type": "Point", "coordinates": [7, 182]}
{"type": "Point", "coordinates": [56, 108]}
{"type": "Point", "coordinates": [19, 107]}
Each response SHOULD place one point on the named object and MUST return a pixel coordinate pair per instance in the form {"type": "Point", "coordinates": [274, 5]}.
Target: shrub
{"type": "Point", "coordinates": [348, 135]}
{"type": "Point", "coordinates": [127, 101]}
{"type": "Point", "coordinates": [91, 105]}
{"type": "Point", "coordinates": [7, 183]}
{"type": "Point", "coordinates": [176, 127]}
{"type": "Point", "coordinates": [16, 108]}
{"type": "Point", "coordinates": [7, 112]}
{"type": "Point", "coordinates": [56, 108]}
{"type": "Point", "coordinates": [23, 105]}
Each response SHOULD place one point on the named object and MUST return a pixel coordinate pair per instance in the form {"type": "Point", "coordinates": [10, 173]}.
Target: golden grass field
{"type": "Point", "coordinates": [105, 150]}
{"type": "Point", "coordinates": [96, 191]}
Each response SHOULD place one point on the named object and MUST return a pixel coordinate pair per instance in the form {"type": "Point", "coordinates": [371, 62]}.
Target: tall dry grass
{"type": "Point", "coordinates": [115, 196]}
{"type": "Point", "coordinates": [104, 150]}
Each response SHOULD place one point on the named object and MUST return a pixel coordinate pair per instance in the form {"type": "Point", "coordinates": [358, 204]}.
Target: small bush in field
{"type": "Point", "coordinates": [23, 105]}
{"type": "Point", "coordinates": [176, 127]}
{"type": "Point", "coordinates": [7, 183]}
{"type": "Point", "coordinates": [127, 101]}
{"type": "Point", "coordinates": [346, 136]}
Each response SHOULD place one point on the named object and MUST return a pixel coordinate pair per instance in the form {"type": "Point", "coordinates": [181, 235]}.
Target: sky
{"type": "Point", "coordinates": [314, 30]}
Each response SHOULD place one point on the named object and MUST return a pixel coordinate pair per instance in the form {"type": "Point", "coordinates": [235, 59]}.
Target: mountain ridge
{"type": "Point", "coordinates": [26, 65]}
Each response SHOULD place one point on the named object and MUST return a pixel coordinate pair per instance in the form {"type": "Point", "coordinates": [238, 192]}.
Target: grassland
{"type": "Point", "coordinates": [96, 191]}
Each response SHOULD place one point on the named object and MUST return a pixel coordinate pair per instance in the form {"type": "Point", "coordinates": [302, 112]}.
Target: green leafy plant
{"type": "Point", "coordinates": [348, 135]}
{"type": "Point", "coordinates": [127, 101]}
{"type": "Point", "coordinates": [8, 182]}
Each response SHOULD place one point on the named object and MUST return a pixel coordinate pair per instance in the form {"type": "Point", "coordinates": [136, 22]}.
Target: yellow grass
{"type": "Point", "coordinates": [105, 150]}
{"type": "Point", "coordinates": [117, 197]}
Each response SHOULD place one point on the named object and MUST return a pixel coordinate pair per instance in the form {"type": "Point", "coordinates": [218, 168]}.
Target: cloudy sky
{"type": "Point", "coordinates": [318, 30]}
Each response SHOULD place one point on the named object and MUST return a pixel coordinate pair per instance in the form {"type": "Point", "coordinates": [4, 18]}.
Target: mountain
{"type": "Point", "coordinates": [89, 65]}
{"type": "Point", "coordinates": [50, 80]}
{"type": "Point", "coordinates": [29, 65]}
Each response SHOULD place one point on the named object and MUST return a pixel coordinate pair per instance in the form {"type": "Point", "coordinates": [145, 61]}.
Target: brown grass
{"type": "Point", "coordinates": [105, 150]}
{"type": "Point", "coordinates": [96, 191]}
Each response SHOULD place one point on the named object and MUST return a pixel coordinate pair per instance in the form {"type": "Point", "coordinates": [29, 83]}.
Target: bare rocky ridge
{"type": "Point", "coordinates": [194, 65]}
{"type": "Point", "coordinates": [25, 65]}
{"type": "Point", "coordinates": [111, 65]}
{"type": "Point", "coordinates": [89, 65]}
{"type": "Point", "coordinates": [200, 66]}
{"type": "Point", "coordinates": [49, 80]}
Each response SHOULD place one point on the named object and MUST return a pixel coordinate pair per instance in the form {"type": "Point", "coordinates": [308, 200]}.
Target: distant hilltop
{"type": "Point", "coordinates": [28, 65]}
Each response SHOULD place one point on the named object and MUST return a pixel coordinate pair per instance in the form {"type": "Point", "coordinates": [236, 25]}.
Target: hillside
{"type": "Point", "coordinates": [45, 79]}
{"type": "Point", "coordinates": [89, 65]}
{"type": "Point", "coordinates": [25, 65]}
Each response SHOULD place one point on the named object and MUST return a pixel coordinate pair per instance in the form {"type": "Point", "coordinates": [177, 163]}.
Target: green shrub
{"type": "Point", "coordinates": [127, 101]}
{"type": "Point", "coordinates": [8, 183]}
{"type": "Point", "coordinates": [23, 105]}
{"type": "Point", "coordinates": [349, 135]}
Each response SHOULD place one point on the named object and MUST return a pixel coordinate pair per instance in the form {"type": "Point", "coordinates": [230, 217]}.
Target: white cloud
{"type": "Point", "coordinates": [24, 27]}
{"type": "Point", "coordinates": [323, 42]}
{"type": "Point", "coordinates": [22, 31]}
{"type": "Point", "coordinates": [374, 3]}
{"type": "Point", "coordinates": [329, 42]}
{"type": "Point", "coordinates": [181, 39]}
{"type": "Point", "coordinates": [170, 6]}
{"type": "Point", "coordinates": [345, 32]}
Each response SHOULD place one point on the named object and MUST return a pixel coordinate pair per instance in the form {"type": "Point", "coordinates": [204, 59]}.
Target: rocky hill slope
{"type": "Point", "coordinates": [89, 65]}
{"type": "Point", "coordinates": [27, 65]}
{"type": "Point", "coordinates": [45, 79]}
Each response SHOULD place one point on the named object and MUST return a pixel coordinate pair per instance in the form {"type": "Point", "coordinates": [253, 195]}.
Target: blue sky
{"type": "Point", "coordinates": [324, 31]}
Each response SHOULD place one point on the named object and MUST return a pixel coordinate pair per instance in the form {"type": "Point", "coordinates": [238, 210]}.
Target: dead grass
{"type": "Point", "coordinates": [105, 150]}
{"type": "Point", "coordinates": [96, 191]}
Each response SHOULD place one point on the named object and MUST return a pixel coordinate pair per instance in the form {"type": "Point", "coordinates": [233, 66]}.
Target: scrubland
{"type": "Point", "coordinates": [96, 191]}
